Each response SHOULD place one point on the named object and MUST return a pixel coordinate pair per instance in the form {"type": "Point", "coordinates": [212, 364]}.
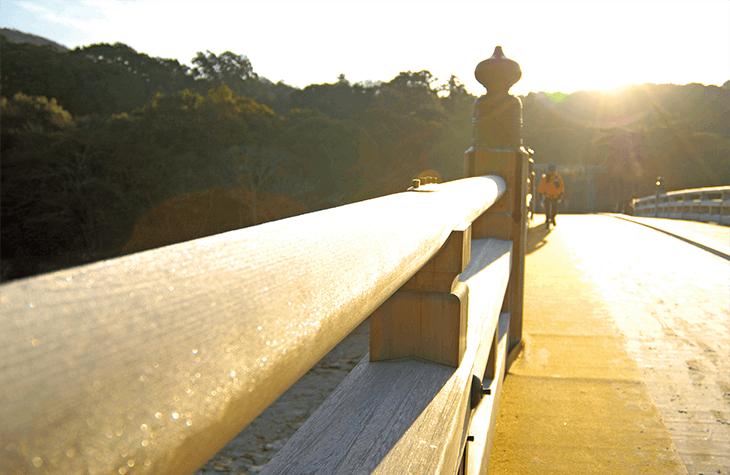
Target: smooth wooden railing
{"type": "Point", "coordinates": [409, 415]}
{"type": "Point", "coordinates": [151, 363]}
{"type": "Point", "coordinates": [701, 204]}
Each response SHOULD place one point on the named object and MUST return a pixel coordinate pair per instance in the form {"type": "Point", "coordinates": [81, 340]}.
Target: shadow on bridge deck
{"type": "Point", "coordinates": [586, 394]}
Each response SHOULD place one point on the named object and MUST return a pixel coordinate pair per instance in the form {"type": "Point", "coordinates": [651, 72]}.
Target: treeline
{"type": "Point", "coordinates": [96, 139]}
{"type": "Point", "coordinates": [635, 134]}
{"type": "Point", "coordinates": [106, 150]}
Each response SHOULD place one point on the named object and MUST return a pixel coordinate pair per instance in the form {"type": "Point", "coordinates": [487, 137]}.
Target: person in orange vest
{"type": "Point", "coordinates": [551, 189]}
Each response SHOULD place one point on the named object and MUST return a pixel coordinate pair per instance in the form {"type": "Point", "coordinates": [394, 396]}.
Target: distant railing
{"type": "Point", "coordinates": [701, 204]}
{"type": "Point", "coordinates": [150, 363]}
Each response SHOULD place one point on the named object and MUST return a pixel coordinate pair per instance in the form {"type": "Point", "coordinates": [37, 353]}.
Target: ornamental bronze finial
{"type": "Point", "coordinates": [498, 73]}
{"type": "Point", "coordinates": [497, 114]}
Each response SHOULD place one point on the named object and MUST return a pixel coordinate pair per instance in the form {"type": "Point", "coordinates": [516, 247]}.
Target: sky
{"type": "Point", "coordinates": [561, 46]}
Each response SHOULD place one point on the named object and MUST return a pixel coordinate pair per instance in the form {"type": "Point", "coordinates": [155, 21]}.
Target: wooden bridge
{"type": "Point", "coordinates": [704, 204]}
{"type": "Point", "coordinates": [613, 337]}
{"type": "Point", "coordinates": [626, 367]}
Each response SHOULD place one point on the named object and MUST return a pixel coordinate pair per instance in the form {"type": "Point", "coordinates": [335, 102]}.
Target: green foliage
{"type": "Point", "coordinates": [48, 177]}
{"type": "Point", "coordinates": [262, 172]}
{"type": "Point", "coordinates": [41, 71]}
{"type": "Point", "coordinates": [328, 151]}
{"type": "Point", "coordinates": [558, 97]}
{"type": "Point", "coordinates": [98, 79]}
{"type": "Point", "coordinates": [407, 92]}
{"type": "Point", "coordinates": [79, 187]}
{"type": "Point", "coordinates": [338, 101]}
{"type": "Point", "coordinates": [457, 100]}
{"type": "Point", "coordinates": [133, 78]}
{"type": "Point", "coordinates": [187, 121]}
{"type": "Point", "coordinates": [29, 112]}
{"type": "Point", "coordinates": [229, 69]}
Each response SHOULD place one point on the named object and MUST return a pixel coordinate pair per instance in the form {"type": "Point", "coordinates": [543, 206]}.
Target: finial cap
{"type": "Point", "coordinates": [498, 73]}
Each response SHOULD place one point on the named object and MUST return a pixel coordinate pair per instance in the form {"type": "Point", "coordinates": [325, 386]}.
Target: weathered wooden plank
{"type": "Point", "coordinates": [150, 363]}
{"type": "Point", "coordinates": [484, 416]}
{"type": "Point", "coordinates": [405, 416]}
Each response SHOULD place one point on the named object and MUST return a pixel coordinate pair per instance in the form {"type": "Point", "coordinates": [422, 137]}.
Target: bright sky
{"type": "Point", "coordinates": [562, 46]}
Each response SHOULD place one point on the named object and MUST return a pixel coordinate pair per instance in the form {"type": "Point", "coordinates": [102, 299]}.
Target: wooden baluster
{"type": "Point", "coordinates": [684, 203]}
{"type": "Point", "coordinates": [497, 149]}
{"type": "Point", "coordinates": [427, 317]}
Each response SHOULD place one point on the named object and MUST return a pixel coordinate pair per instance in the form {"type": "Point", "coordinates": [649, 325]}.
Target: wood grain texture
{"type": "Point", "coordinates": [441, 272]}
{"type": "Point", "coordinates": [152, 362]}
{"type": "Point", "coordinates": [426, 318]}
{"type": "Point", "coordinates": [484, 416]}
{"type": "Point", "coordinates": [405, 416]}
{"type": "Point", "coordinates": [507, 220]}
{"type": "Point", "coordinates": [426, 325]}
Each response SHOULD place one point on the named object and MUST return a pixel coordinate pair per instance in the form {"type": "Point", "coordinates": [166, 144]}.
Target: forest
{"type": "Point", "coordinates": [107, 151]}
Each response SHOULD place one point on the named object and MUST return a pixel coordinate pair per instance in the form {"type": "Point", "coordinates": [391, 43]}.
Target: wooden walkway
{"type": "Point", "coordinates": [626, 367]}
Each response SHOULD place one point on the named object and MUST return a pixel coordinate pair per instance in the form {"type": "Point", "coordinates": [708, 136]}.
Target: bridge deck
{"type": "Point", "coordinates": [626, 367]}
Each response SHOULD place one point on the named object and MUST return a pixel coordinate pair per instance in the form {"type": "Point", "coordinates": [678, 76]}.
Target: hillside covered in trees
{"type": "Point", "coordinates": [108, 151]}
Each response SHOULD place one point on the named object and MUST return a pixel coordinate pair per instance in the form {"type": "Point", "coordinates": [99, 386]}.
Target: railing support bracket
{"type": "Point", "coordinates": [426, 318]}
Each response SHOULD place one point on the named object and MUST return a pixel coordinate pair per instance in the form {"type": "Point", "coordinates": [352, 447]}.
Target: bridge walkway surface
{"type": "Point", "coordinates": [626, 365]}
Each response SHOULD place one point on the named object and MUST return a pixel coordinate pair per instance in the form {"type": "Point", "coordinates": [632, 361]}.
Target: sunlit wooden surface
{"type": "Point", "coordinates": [711, 204]}
{"type": "Point", "coordinates": [627, 353]}
{"type": "Point", "coordinates": [152, 362]}
{"type": "Point", "coordinates": [410, 415]}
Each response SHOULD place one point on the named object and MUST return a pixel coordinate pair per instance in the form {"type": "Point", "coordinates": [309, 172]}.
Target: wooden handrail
{"type": "Point", "coordinates": [411, 415]}
{"type": "Point", "coordinates": [709, 189]}
{"type": "Point", "coordinates": [700, 204]}
{"type": "Point", "coordinates": [150, 363]}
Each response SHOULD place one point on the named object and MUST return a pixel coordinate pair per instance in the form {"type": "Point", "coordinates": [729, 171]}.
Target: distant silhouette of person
{"type": "Point", "coordinates": [551, 190]}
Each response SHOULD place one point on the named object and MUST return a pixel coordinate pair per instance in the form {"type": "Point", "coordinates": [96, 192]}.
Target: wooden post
{"type": "Point", "coordinates": [497, 149]}
{"type": "Point", "coordinates": [684, 203]}
{"type": "Point", "coordinates": [427, 318]}
{"type": "Point", "coordinates": [702, 201]}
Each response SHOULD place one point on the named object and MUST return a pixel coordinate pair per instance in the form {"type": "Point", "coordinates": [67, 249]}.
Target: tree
{"type": "Point", "coordinates": [401, 149]}
{"type": "Point", "coordinates": [407, 92]}
{"type": "Point", "coordinates": [276, 96]}
{"type": "Point", "coordinates": [30, 112]}
{"type": "Point", "coordinates": [43, 72]}
{"type": "Point", "coordinates": [228, 69]}
{"type": "Point", "coordinates": [262, 171]}
{"type": "Point", "coordinates": [328, 151]}
{"type": "Point", "coordinates": [57, 196]}
{"type": "Point", "coordinates": [134, 78]}
{"type": "Point", "coordinates": [98, 79]}
{"type": "Point", "coordinates": [338, 101]}
{"type": "Point", "coordinates": [457, 100]}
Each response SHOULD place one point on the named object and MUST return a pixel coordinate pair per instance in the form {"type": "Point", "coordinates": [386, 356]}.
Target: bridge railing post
{"type": "Point", "coordinates": [682, 206]}
{"type": "Point", "coordinates": [497, 149]}
{"type": "Point", "coordinates": [426, 318]}
{"type": "Point", "coordinates": [700, 206]}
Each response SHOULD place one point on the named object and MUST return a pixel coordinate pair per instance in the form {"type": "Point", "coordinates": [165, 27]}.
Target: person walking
{"type": "Point", "coordinates": [551, 191]}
